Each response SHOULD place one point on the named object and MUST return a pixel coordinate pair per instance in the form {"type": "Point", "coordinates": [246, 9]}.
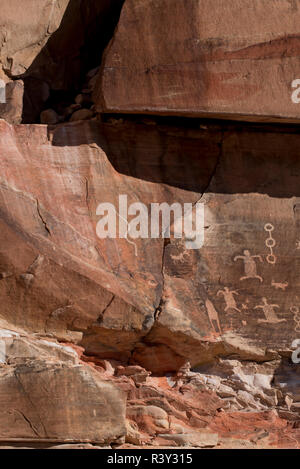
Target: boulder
{"type": "Point", "coordinates": [46, 395]}
{"type": "Point", "coordinates": [12, 109]}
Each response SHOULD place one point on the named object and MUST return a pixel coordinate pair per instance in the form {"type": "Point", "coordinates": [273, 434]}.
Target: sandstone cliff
{"type": "Point", "coordinates": [144, 342]}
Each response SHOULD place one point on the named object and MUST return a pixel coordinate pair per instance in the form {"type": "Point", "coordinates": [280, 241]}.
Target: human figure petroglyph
{"type": "Point", "coordinates": [229, 298]}
{"type": "Point", "coordinates": [249, 265]}
{"type": "Point", "coordinates": [213, 316]}
{"type": "Point", "coordinates": [269, 312]}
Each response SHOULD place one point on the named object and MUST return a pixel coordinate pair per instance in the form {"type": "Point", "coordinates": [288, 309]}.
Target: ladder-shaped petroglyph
{"type": "Point", "coordinates": [213, 316]}
{"type": "Point", "coordinates": [296, 312]}
{"type": "Point", "coordinates": [249, 265]}
{"type": "Point", "coordinates": [270, 315]}
{"type": "Point", "coordinates": [270, 243]}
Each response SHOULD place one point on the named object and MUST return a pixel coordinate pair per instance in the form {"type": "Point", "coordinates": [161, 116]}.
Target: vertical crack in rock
{"type": "Point", "coordinates": [25, 393]}
{"type": "Point", "coordinates": [41, 218]}
{"type": "Point", "coordinates": [99, 320]}
{"type": "Point", "coordinates": [215, 169]}
{"type": "Point", "coordinates": [158, 310]}
{"type": "Point", "coordinates": [29, 422]}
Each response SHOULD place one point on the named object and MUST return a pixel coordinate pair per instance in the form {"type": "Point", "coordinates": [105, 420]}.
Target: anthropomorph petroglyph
{"type": "Point", "coordinates": [296, 312]}
{"type": "Point", "coordinates": [229, 298]}
{"type": "Point", "coordinates": [280, 286]}
{"type": "Point", "coordinates": [249, 265]}
{"type": "Point", "coordinates": [270, 243]}
{"type": "Point", "coordinates": [269, 312]}
{"type": "Point", "coordinates": [213, 316]}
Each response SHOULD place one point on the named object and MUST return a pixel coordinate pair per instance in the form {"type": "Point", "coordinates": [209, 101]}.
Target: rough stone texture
{"type": "Point", "coordinates": [46, 395]}
{"type": "Point", "coordinates": [143, 342]}
{"type": "Point", "coordinates": [135, 307]}
{"type": "Point", "coordinates": [12, 109]}
{"type": "Point", "coordinates": [46, 37]}
{"type": "Point", "coordinates": [24, 31]}
{"type": "Point", "coordinates": [233, 59]}
{"type": "Point", "coordinates": [50, 44]}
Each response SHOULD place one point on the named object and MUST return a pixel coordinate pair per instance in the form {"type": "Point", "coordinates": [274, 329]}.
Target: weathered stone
{"type": "Point", "coordinates": [226, 58]}
{"type": "Point", "coordinates": [194, 287]}
{"type": "Point", "coordinates": [167, 305]}
{"type": "Point", "coordinates": [46, 395]}
{"type": "Point", "coordinates": [49, 116]}
{"type": "Point", "coordinates": [51, 40]}
{"type": "Point", "coordinates": [81, 115]}
{"type": "Point", "coordinates": [24, 31]}
{"type": "Point", "coordinates": [195, 439]}
{"type": "Point", "coordinates": [12, 109]}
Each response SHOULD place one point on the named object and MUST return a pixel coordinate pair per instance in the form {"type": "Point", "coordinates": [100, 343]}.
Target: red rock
{"type": "Point", "coordinates": [12, 109]}
{"type": "Point", "coordinates": [235, 59]}
{"type": "Point", "coordinates": [146, 342]}
{"type": "Point", "coordinates": [47, 396]}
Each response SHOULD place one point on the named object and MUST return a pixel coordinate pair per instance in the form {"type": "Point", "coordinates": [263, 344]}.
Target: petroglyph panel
{"type": "Point", "coordinates": [250, 290]}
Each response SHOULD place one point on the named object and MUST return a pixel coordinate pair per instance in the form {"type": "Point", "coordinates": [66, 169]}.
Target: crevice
{"type": "Point", "coordinates": [158, 310]}
{"type": "Point", "coordinates": [42, 219]}
{"type": "Point", "coordinates": [30, 401]}
{"type": "Point", "coordinates": [99, 320]}
{"type": "Point", "coordinates": [29, 422]}
{"type": "Point", "coordinates": [215, 169]}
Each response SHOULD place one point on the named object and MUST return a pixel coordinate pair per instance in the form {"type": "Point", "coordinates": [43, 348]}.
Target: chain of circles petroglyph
{"type": "Point", "coordinates": [270, 243]}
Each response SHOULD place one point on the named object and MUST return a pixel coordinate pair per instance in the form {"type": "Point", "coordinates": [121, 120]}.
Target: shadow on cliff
{"type": "Point", "coordinates": [71, 51]}
{"type": "Point", "coordinates": [195, 155]}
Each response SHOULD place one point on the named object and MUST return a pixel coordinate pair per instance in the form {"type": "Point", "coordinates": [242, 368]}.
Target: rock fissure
{"type": "Point", "coordinates": [42, 218]}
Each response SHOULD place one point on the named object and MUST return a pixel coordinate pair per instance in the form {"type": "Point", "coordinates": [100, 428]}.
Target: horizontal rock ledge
{"type": "Point", "coordinates": [236, 59]}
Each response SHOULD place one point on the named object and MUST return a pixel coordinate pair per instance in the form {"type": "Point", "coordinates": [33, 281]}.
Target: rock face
{"type": "Point", "coordinates": [24, 31]}
{"type": "Point", "coordinates": [142, 341]}
{"type": "Point", "coordinates": [149, 303]}
{"type": "Point", "coordinates": [46, 395]}
{"type": "Point", "coordinates": [12, 109]}
{"type": "Point", "coordinates": [50, 43]}
{"type": "Point", "coordinates": [234, 59]}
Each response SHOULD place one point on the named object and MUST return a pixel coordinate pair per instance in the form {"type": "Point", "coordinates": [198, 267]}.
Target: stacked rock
{"type": "Point", "coordinates": [82, 109]}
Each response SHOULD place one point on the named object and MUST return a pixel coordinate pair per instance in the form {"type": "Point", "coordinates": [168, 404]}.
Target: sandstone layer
{"type": "Point", "coordinates": [232, 59]}
{"type": "Point", "coordinates": [168, 322]}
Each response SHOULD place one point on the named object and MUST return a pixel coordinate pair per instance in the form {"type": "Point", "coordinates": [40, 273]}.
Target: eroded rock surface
{"type": "Point", "coordinates": [234, 59]}
{"type": "Point", "coordinates": [50, 45]}
{"type": "Point", "coordinates": [143, 342]}
{"type": "Point", "coordinates": [191, 325]}
{"type": "Point", "coordinates": [47, 395]}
